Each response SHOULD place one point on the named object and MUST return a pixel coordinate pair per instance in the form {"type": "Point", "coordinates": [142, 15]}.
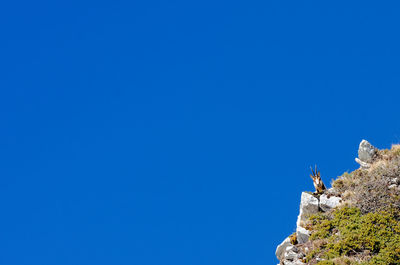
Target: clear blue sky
{"type": "Point", "coordinates": [181, 132]}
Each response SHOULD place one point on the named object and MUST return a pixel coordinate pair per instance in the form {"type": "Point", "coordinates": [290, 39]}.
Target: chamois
{"type": "Point", "coordinates": [318, 184]}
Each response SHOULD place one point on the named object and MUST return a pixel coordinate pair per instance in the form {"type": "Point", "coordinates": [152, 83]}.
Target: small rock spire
{"type": "Point", "coordinates": [366, 154]}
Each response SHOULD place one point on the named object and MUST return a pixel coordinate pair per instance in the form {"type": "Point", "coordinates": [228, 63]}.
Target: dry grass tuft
{"type": "Point", "coordinates": [368, 189]}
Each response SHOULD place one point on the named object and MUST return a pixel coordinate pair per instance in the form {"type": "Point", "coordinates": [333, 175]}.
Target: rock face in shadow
{"type": "Point", "coordinates": [308, 206]}
{"type": "Point", "coordinates": [281, 249]}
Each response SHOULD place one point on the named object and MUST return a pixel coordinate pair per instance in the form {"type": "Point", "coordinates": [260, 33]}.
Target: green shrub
{"type": "Point", "coordinates": [350, 233]}
{"type": "Point", "coordinates": [326, 262]}
{"type": "Point", "coordinates": [366, 231]}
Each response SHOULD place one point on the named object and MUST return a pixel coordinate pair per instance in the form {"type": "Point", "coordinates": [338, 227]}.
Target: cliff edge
{"type": "Point", "coordinates": [356, 221]}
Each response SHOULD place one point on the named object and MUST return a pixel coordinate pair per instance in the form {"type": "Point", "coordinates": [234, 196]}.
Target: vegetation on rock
{"type": "Point", "coordinates": [365, 230]}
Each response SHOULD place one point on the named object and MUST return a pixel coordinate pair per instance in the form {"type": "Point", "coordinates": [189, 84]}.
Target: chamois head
{"type": "Point", "coordinates": [315, 174]}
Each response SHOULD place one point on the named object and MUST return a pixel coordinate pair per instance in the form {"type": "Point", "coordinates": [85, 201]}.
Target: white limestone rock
{"type": "Point", "coordinates": [280, 250]}
{"type": "Point", "coordinates": [363, 165]}
{"type": "Point", "coordinates": [291, 253]}
{"type": "Point", "coordinates": [327, 203]}
{"type": "Point", "coordinates": [309, 205]}
{"type": "Point", "coordinates": [302, 235]}
{"type": "Point", "coordinates": [366, 152]}
{"type": "Point", "coordinates": [296, 262]}
{"type": "Point", "coordinates": [395, 181]}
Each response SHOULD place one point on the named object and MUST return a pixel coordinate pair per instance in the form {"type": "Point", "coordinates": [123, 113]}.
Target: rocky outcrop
{"type": "Point", "coordinates": [289, 254]}
{"type": "Point", "coordinates": [308, 206]}
{"type": "Point", "coordinates": [366, 154]}
{"type": "Point", "coordinates": [281, 249]}
{"type": "Point", "coordinates": [327, 202]}
{"type": "Point", "coordinates": [310, 203]}
{"type": "Point", "coordinates": [374, 185]}
{"type": "Point", "coordinates": [302, 235]}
